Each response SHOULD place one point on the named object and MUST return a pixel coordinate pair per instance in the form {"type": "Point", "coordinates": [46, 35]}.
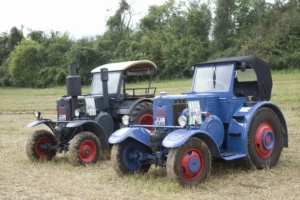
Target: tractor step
{"type": "Point", "coordinates": [226, 154]}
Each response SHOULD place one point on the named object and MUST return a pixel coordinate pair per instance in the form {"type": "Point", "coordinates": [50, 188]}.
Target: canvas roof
{"type": "Point", "coordinates": [121, 66]}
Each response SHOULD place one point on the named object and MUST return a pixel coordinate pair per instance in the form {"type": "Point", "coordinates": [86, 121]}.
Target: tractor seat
{"type": "Point", "coordinates": [244, 89]}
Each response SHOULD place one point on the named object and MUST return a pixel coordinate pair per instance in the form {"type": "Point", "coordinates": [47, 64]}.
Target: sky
{"type": "Point", "coordinates": [80, 18]}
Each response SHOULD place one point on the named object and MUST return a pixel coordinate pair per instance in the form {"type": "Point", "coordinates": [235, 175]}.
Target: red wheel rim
{"type": "Point", "coordinates": [41, 141]}
{"type": "Point", "coordinates": [146, 119]}
{"type": "Point", "coordinates": [191, 164]}
{"type": "Point", "coordinates": [87, 151]}
{"type": "Point", "coordinates": [264, 140]}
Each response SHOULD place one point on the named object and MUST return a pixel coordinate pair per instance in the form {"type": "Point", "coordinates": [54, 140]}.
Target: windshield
{"type": "Point", "coordinates": [212, 78]}
{"type": "Point", "coordinates": [113, 83]}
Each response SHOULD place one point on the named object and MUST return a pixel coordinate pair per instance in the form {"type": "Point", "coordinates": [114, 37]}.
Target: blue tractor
{"type": "Point", "coordinates": [227, 115]}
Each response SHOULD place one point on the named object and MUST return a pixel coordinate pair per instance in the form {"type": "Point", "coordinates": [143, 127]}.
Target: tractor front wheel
{"type": "Point", "coordinates": [125, 157]}
{"type": "Point", "coordinates": [190, 163]}
{"type": "Point", "coordinates": [84, 149]}
{"type": "Point", "coordinates": [265, 139]}
{"type": "Point", "coordinates": [38, 146]}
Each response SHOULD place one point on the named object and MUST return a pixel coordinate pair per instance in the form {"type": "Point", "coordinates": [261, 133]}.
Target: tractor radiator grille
{"type": "Point", "coordinates": [178, 107]}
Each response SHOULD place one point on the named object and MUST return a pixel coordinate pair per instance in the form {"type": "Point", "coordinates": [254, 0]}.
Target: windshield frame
{"type": "Point", "coordinates": [216, 66]}
{"type": "Point", "coordinates": [110, 72]}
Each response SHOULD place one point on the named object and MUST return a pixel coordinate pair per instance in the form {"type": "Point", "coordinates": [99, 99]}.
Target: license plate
{"type": "Point", "coordinates": [62, 117]}
{"type": "Point", "coordinates": [160, 121]}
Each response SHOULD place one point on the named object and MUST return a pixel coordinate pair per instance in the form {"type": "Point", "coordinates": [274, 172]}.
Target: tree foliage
{"type": "Point", "coordinates": [174, 35]}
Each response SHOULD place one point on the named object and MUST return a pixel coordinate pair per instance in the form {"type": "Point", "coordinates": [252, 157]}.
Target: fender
{"type": "Point", "coordinates": [180, 136]}
{"type": "Point", "coordinates": [140, 134]}
{"type": "Point", "coordinates": [127, 106]}
{"type": "Point", "coordinates": [245, 116]}
{"type": "Point", "coordinates": [279, 114]}
{"type": "Point", "coordinates": [47, 122]}
{"type": "Point", "coordinates": [38, 122]}
{"type": "Point", "coordinates": [92, 126]}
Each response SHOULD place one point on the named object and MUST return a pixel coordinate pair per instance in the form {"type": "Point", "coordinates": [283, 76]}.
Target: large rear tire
{"type": "Point", "coordinates": [123, 161]}
{"type": "Point", "coordinates": [34, 147]}
{"type": "Point", "coordinates": [265, 139]}
{"type": "Point", "coordinates": [142, 113]}
{"type": "Point", "coordinates": [84, 149]}
{"type": "Point", "coordinates": [190, 163]}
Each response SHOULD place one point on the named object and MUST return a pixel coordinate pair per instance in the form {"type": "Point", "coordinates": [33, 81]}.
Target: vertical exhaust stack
{"type": "Point", "coordinates": [104, 79]}
{"type": "Point", "coordinates": [73, 82]}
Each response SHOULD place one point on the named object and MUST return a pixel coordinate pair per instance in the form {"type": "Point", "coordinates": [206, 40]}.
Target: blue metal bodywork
{"type": "Point", "coordinates": [225, 131]}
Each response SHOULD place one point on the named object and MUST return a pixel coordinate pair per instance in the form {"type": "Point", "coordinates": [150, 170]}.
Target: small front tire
{"type": "Point", "coordinates": [84, 149]}
{"type": "Point", "coordinates": [37, 147]}
{"type": "Point", "coordinates": [190, 163]}
{"type": "Point", "coordinates": [123, 157]}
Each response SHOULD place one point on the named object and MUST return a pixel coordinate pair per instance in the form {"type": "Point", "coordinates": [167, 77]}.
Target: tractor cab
{"type": "Point", "coordinates": [123, 73]}
{"type": "Point", "coordinates": [249, 76]}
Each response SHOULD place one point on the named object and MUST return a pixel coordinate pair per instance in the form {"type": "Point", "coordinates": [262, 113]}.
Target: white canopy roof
{"type": "Point", "coordinates": [121, 66]}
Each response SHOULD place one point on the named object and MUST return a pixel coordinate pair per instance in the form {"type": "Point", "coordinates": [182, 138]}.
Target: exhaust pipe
{"type": "Point", "coordinates": [104, 79]}
{"type": "Point", "coordinates": [73, 82]}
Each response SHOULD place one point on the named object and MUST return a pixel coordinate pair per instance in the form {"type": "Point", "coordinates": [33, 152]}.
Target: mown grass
{"type": "Point", "coordinates": [58, 179]}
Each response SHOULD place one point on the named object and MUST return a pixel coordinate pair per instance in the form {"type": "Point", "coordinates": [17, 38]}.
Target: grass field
{"type": "Point", "coordinates": [58, 179]}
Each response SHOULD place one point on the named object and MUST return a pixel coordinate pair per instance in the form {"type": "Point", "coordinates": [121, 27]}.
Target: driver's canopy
{"type": "Point", "coordinates": [216, 76]}
{"type": "Point", "coordinates": [115, 73]}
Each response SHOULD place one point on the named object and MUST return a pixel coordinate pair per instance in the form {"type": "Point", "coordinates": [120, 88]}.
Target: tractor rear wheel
{"type": "Point", "coordinates": [190, 163]}
{"type": "Point", "coordinates": [265, 139]}
{"type": "Point", "coordinates": [38, 146]}
{"type": "Point", "coordinates": [84, 149]}
{"type": "Point", "coordinates": [124, 157]}
{"type": "Point", "coordinates": [142, 113]}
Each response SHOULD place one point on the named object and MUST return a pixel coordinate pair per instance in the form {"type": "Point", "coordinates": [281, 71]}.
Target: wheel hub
{"type": "Point", "coordinates": [191, 164]}
{"type": "Point", "coordinates": [264, 140]}
{"type": "Point", "coordinates": [42, 147]}
{"type": "Point", "coordinates": [87, 151]}
{"type": "Point", "coordinates": [194, 164]}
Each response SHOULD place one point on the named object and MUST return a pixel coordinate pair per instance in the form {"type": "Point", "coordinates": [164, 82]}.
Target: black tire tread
{"type": "Point", "coordinates": [139, 110]}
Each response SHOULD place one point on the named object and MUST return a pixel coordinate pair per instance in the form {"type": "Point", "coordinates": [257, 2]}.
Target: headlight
{"type": "Point", "coordinates": [182, 121]}
{"type": "Point", "coordinates": [77, 112]}
{"type": "Point", "coordinates": [125, 120]}
{"type": "Point", "coordinates": [37, 114]}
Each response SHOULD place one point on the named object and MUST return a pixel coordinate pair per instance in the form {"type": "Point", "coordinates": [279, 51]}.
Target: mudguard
{"type": "Point", "coordinates": [77, 123]}
{"type": "Point", "coordinates": [93, 127]}
{"type": "Point", "coordinates": [277, 110]}
{"type": "Point", "coordinates": [180, 136]}
{"type": "Point", "coordinates": [243, 117]}
{"type": "Point", "coordinates": [38, 122]}
{"type": "Point", "coordinates": [140, 134]}
{"type": "Point", "coordinates": [127, 106]}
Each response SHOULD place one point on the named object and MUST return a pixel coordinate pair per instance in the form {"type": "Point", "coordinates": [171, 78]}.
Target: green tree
{"type": "Point", "coordinates": [24, 63]}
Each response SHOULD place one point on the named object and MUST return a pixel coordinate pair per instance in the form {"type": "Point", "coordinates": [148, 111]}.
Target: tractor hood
{"type": "Point", "coordinates": [170, 107]}
{"type": "Point", "coordinates": [87, 104]}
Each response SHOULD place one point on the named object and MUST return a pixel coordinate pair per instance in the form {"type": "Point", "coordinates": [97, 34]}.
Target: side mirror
{"type": "Point", "coordinates": [104, 75]}
{"type": "Point", "coordinates": [243, 66]}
